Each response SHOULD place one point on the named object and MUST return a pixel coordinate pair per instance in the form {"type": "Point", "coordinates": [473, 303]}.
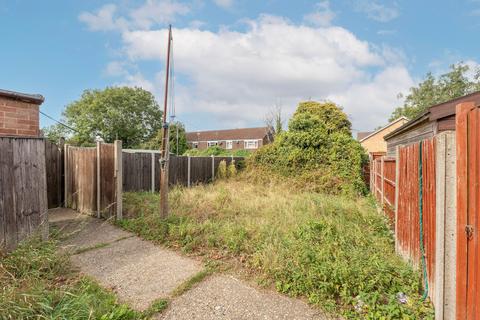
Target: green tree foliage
{"type": "Point", "coordinates": [434, 90]}
{"type": "Point", "coordinates": [319, 148]}
{"type": "Point", "coordinates": [175, 129]}
{"type": "Point", "coordinates": [54, 132]}
{"type": "Point", "coordinates": [128, 114]}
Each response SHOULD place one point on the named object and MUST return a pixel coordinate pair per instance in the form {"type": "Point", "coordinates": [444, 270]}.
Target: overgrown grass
{"type": "Point", "coordinates": [336, 252]}
{"type": "Point", "coordinates": [39, 283]}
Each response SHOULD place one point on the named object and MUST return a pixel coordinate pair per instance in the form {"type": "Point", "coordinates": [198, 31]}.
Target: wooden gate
{"type": "Point", "coordinates": [468, 210]}
{"type": "Point", "coordinates": [93, 179]}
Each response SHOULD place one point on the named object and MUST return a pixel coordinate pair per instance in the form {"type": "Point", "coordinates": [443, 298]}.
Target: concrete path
{"type": "Point", "coordinates": [140, 273]}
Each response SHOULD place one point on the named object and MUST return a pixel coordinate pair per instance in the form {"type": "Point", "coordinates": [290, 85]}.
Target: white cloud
{"type": "Point", "coordinates": [157, 12]}
{"type": "Point", "coordinates": [115, 69]}
{"type": "Point", "coordinates": [151, 13]}
{"type": "Point", "coordinates": [103, 19]}
{"type": "Point", "coordinates": [224, 3]}
{"type": "Point", "coordinates": [377, 11]}
{"type": "Point", "coordinates": [322, 16]}
{"type": "Point", "coordinates": [235, 77]}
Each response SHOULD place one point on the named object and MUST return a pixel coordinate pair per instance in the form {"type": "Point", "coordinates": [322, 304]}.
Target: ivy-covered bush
{"type": "Point", "coordinates": [317, 148]}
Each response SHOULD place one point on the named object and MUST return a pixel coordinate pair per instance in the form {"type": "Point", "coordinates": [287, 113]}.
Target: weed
{"type": "Point", "coordinates": [336, 251]}
{"type": "Point", "coordinates": [39, 283]}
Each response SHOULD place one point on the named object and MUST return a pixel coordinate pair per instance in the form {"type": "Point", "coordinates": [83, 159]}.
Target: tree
{"type": "Point", "coordinates": [128, 114]}
{"type": "Point", "coordinates": [274, 119]}
{"type": "Point", "coordinates": [432, 91]}
{"type": "Point", "coordinates": [176, 133]}
{"type": "Point", "coordinates": [54, 132]}
{"type": "Point", "coordinates": [318, 148]}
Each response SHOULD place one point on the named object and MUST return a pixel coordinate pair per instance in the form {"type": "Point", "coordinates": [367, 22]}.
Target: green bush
{"type": "Point", "coordinates": [318, 147]}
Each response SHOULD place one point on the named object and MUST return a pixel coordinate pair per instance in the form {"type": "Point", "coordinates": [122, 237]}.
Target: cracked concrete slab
{"type": "Point", "coordinates": [224, 297]}
{"type": "Point", "coordinates": [81, 231]}
{"type": "Point", "coordinates": [138, 271]}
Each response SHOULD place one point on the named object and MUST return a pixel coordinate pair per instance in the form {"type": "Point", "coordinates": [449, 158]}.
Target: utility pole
{"type": "Point", "coordinates": [164, 152]}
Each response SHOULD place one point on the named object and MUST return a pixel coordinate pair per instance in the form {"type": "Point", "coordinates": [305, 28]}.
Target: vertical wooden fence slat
{"type": "Point", "coordinates": [462, 111]}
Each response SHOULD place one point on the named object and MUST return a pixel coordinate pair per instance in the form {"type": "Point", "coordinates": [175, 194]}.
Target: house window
{"type": "Point", "coordinates": [195, 145]}
{"type": "Point", "coordinates": [251, 144]}
{"type": "Point", "coordinates": [212, 143]}
{"type": "Point", "coordinates": [229, 144]}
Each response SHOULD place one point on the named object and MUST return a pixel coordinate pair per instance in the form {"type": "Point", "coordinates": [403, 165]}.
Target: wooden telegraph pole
{"type": "Point", "coordinates": [164, 152]}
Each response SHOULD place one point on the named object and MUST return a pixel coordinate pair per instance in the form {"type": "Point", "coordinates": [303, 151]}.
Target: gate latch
{"type": "Point", "coordinates": [469, 231]}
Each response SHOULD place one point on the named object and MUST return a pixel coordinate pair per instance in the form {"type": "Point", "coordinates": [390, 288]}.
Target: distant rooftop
{"type": "Point", "coordinates": [228, 134]}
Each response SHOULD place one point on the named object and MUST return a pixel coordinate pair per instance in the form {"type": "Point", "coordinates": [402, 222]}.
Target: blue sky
{"type": "Point", "coordinates": [236, 59]}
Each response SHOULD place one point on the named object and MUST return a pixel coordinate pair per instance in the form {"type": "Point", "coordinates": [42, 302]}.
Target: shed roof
{"type": "Point", "coordinates": [229, 134]}
{"type": "Point", "coordinates": [436, 112]}
{"type": "Point", "coordinates": [32, 98]}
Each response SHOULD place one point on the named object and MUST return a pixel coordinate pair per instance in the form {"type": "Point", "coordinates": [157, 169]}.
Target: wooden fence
{"type": "Point", "coordinates": [382, 184]}
{"type": "Point", "coordinates": [141, 170]}
{"type": "Point", "coordinates": [468, 211]}
{"type": "Point", "coordinates": [395, 183]}
{"type": "Point", "coordinates": [23, 185]}
{"type": "Point", "coordinates": [415, 218]}
{"type": "Point", "coordinates": [55, 179]}
{"type": "Point", "coordinates": [92, 180]}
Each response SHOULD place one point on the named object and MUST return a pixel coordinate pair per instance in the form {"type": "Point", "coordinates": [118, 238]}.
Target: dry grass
{"type": "Point", "coordinates": [335, 251]}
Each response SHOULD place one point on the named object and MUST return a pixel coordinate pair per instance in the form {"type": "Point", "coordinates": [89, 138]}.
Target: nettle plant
{"type": "Point", "coordinates": [317, 148]}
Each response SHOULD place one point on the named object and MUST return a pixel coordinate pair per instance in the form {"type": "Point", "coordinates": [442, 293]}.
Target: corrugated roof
{"type": "Point", "coordinates": [33, 98]}
{"type": "Point", "coordinates": [229, 134]}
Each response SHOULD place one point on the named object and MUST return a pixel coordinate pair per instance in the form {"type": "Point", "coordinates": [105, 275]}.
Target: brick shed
{"type": "Point", "coordinates": [19, 114]}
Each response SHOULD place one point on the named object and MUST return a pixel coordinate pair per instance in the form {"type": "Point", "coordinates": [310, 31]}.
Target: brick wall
{"type": "Point", "coordinates": [18, 118]}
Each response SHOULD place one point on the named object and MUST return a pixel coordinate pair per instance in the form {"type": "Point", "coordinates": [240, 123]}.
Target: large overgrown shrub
{"type": "Point", "coordinates": [318, 148]}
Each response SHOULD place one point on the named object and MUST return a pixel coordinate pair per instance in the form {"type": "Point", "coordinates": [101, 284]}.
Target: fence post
{"type": "Point", "coordinates": [213, 168]}
{"type": "Point", "coordinates": [98, 178]}
{"type": "Point", "coordinates": [382, 181]}
{"type": "Point", "coordinates": [189, 171]}
{"type": "Point", "coordinates": [153, 172]}
{"type": "Point", "coordinates": [119, 177]}
{"type": "Point", "coordinates": [65, 175]}
{"type": "Point", "coordinates": [397, 190]}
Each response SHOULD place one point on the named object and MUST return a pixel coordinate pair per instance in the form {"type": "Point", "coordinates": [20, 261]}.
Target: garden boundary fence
{"type": "Point", "coordinates": [93, 179]}
{"type": "Point", "coordinates": [415, 190]}
{"type": "Point", "coordinates": [141, 169]}
{"type": "Point", "coordinates": [23, 190]}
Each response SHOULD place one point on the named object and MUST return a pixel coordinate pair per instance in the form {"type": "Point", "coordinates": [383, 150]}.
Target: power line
{"type": "Point", "coordinates": [61, 123]}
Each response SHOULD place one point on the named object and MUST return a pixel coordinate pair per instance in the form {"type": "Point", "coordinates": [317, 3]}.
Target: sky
{"type": "Point", "coordinates": [235, 60]}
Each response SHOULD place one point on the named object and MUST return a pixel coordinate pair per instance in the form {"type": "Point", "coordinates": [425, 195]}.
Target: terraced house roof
{"type": "Point", "coordinates": [229, 134]}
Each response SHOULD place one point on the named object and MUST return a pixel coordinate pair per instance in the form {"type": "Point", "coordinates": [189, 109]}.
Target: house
{"type": "Point", "coordinates": [19, 114]}
{"type": "Point", "coordinates": [231, 139]}
{"type": "Point", "coordinates": [436, 119]}
{"type": "Point", "coordinates": [374, 142]}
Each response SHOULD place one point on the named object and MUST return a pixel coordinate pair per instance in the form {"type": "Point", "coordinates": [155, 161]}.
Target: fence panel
{"type": "Point", "coordinates": [417, 172]}
{"type": "Point", "coordinates": [383, 184]}
{"type": "Point", "coordinates": [23, 190]}
{"type": "Point", "coordinates": [80, 179]}
{"type": "Point", "coordinates": [139, 165]}
{"type": "Point", "coordinates": [107, 180]}
{"type": "Point", "coordinates": [54, 168]}
{"type": "Point", "coordinates": [468, 211]}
